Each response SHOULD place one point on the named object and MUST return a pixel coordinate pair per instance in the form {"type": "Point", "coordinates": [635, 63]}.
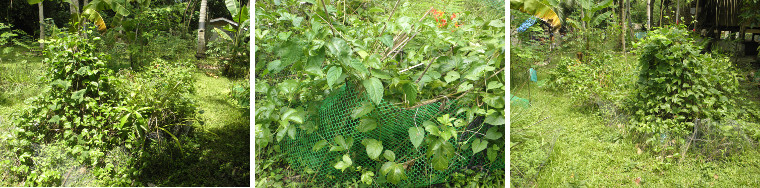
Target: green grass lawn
{"type": "Point", "coordinates": [591, 152]}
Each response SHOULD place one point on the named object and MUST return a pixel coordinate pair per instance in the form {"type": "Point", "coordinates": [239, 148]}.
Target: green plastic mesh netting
{"type": "Point", "coordinates": [333, 118]}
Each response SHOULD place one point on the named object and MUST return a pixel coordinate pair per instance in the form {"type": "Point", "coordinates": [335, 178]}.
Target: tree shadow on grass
{"type": "Point", "coordinates": [217, 155]}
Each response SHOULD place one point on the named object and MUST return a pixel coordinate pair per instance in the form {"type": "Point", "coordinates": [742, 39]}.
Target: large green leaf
{"type": "Point", "coordinates": [389, 155]}
{"type": "Point", "coordinates": [394, 172]}
{"type": "Point", "coordinates": [338, 47]}
{"type": "Point", "coordinates": [292, 115]}
{"type": "Point", "coordinates": [416, 135]}
{"type": "Point", "coordinates": [374, 88]}
{"type": "Point", "coordinates": [366, 125]}
{"type": "Point", "coordinates": [319, 145]}
{"type": "Point", "coordinates": [451, 76]}
{"type": "Point", "coordinates": [479, 145]}
{"type": "Point", "coordinates": [539, 9]}
{"type": "Point", "coordinates": [233, 6]}
{"type": "Point", "coordinates": [94, 16]}
{"type": "Point", "coordinates": [362, 110]}
{"type": "Point", "coordinates": [333, 74]}
{"type": "Point", "coordinates": [374, 148]}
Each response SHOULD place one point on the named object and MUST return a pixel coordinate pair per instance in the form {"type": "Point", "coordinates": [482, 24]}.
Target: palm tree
{"type": "Point", "coordinates": [201, 50]}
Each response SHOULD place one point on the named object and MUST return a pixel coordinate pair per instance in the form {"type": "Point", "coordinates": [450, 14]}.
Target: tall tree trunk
{"type": "Point", "coordinates": [649, 15]}
{"type": "Point", "coordinates": [42, 26]}
{"type": "Point", "coordinates": [74, 9]}
{"type": "Point", "coordinates": [625, 25]}
{"type": "Point", "coordinates": [678, 11]}
{"type": "Point", "coordinates": [662, 4]}
{"type": "Point", "coordinates": [201, 50]}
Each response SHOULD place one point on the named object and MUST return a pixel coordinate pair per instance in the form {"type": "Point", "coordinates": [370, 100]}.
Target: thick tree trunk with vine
{"type": "Point", "coordinates": [42, 26]}
{"type": "Point", "coordinates": [201, 49]}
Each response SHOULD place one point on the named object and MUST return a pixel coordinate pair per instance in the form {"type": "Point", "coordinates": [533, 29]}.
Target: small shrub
{"type": "Point", "coordinates": [163, 92]}
{"type": "Point", "coordinates": [677, 85]}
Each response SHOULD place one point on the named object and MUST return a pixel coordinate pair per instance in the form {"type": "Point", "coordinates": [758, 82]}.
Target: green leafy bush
{"type": "Point", "coordinates": [161, 95]}
{"type": "Point", "coordinates": [602, 77]}
{"type": "Point", "coordinates": [677, 85]}
{"type": "Point", "coordinates": [77, 108]}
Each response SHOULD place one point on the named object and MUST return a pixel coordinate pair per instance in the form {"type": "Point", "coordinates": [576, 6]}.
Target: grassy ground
{"type": "Point", "coordinates": [218, 155]}
{"type": "Point", "coordinates": [590, 151]}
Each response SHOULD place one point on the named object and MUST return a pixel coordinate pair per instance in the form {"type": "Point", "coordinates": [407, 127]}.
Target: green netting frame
{"type": "Point", "coordinates": [333, 118]}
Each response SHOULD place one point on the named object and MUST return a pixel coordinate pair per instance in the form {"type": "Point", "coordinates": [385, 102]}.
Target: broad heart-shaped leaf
{"type": "Point", "coordinates": [275, 66]}
{"type": "Point", "coordinates": [386, 168]}
{"type": "Point", "coordinates": [345, 163]}
{"type": "Point", "coordinates": [366, 125]}
{"type": "Point", "coordinates": [394, 172]}
{"type": "Point", "coordinates": [464, 87]}
{"type": "Point", "coordinates": [78, 95]}
{"type": "Point", "coordinates": [288, 87]}
{"type": "Point", "coordinates": [479, 145]}
{"type": "Point", "coordinates": [440, 162]}
{"type": "Point", "coordinates": [292, 115]}
{"type": "Point", "coordinates": [416, 135]}
{"type": "Point", "coordinates": [314, 63]}
{"type": "Point", "coordinates": [373, 61]}
{"type": "Point", "coordinates": [343, 144]}
{"type": "Point", "coordinates": [374, 148]}
{"type": "Point", "coordinates": [495, 119]}
{"type": "Point", "coordinates": [319, 145]}
{"type": "Point", "coordinates": [410, 93]}
{"type": "Point", "coordinates": [494, 85]}
{"type": "Point", "coordinates": [362, 110]}
{"type": "Point", "coordinates": [451, 76]}
{"type": "Point", "coordinates": [389, 155]}
{"type": "Point", "coordinates": [443, 151]}
{"type": "Point", "coordinates": [356, 64]}
{"type": "Point", "coordinates": [338, 47]}
{"type": "Point", "coordinates": [333, 74]}
{"type": "Point", "coordinates": [374, 88]}
{"type": "Point", "coordinates": [431, 128]}
{"type": "Point", "coordinates": [493, 133]}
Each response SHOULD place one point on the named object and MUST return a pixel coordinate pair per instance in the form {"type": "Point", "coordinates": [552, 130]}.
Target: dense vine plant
{"type": "Point", "coordinates": [313, 50]}
{"type": "Point", "coordinates": [677, 84]}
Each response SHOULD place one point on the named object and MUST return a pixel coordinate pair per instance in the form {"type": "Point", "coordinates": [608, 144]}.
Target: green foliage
{"type": "Point", "coordinates": [76, 109]}
{"type": "Point", "coordinates": [677, 85]}
{"type": "Point", "coordinates": [310, 52]}
{"type": "Point", "coordinates": [602, 77]}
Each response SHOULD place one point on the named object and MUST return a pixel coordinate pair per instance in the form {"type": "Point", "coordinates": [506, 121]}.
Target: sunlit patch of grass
{"type": "Point", "coordinates": [589, 153]}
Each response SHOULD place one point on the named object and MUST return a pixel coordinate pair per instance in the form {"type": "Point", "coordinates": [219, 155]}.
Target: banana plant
{"type": "Point", "coordinates": [539, 8]}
